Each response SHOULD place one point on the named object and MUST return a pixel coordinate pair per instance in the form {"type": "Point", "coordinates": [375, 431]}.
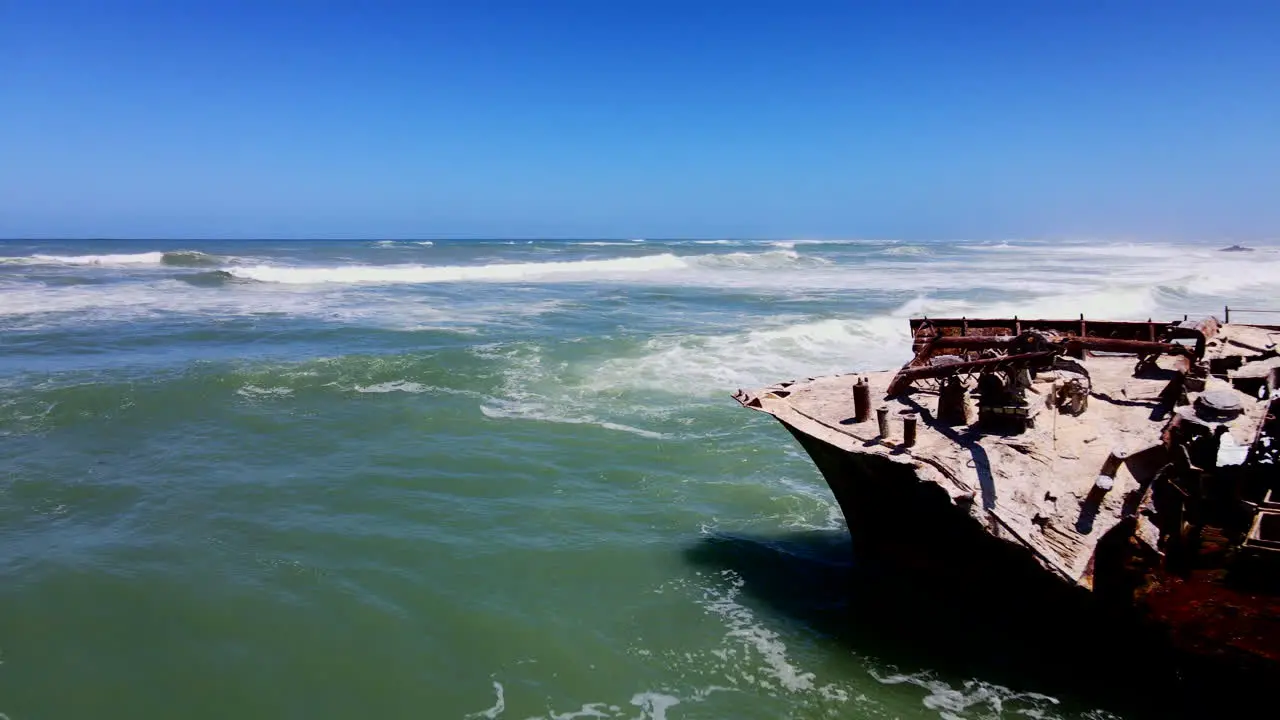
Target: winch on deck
{"type": "Point", "coordinates": [1005, 354]}
{"type": "Point", "coordinates": [1206, 477]}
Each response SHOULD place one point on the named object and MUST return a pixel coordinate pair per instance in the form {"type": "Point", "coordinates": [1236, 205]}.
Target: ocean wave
{"type": "Point", "coordinates": [191, 258]}
{"type": "Point", "coordinates": [835, 241]}
{"type": "Point", "coordinates": [401, 243]}
{"type": "Point", "coordinates": [459, 273]}
{"type": "Point", "coordinates": [535, 389]}
{"type": "Point", "coordinates": [177, 258]}
{"type": "Point", "coordinates": [1083, 250]}
{"type": "Point", "coordinates": [789, 347]}
{"type": "Point", "coordinates": [404, 386]}
{"type": "Point", "coordinates": [996, 247]}
{"type": "Point", "coordinates": [256, 392]}
{"type": "Point", "coordinates": [910, 250]}
{"type": "Point", "coordinates": [148, 258]}
{"type": "Point", "coordinates": [528, 409]}
{"type": "Point", "coordinates": [211, 278]}
{"type": "Point", "coordinates": [777, 349]}
{"type": "Point", "coordinates": [762, 260]}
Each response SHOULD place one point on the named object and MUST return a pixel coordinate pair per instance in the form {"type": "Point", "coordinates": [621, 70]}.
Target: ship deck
{"type": "Point", "coordinates": [1036, 487]}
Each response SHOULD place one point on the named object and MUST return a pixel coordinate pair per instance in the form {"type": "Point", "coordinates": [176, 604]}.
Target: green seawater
{"type": "Point", "coordinates": [469, 479]}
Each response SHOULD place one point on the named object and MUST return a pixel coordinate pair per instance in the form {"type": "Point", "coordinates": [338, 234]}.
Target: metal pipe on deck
{"type": "Point", "coordinates": [905, 377]}
{"type": "Point", "coordinates": [861, 400]}
{"type": "Point", "coordinates": [882, 417]}
{"type": "Point", "coordinates": [1137, 347]}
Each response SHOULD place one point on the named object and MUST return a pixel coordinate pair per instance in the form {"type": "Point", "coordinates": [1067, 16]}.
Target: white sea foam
{"type": "Point", "coordinates": [189, 258]}
{"type": "Point", "coordinates": [995, 247]}
{"type": "Point", "coordinates": [735, 269]}
{"type": "Point", "coordinates": [906, 250]}
{"type": "Point", "coordinates": [654, 706]}
{"type": "Point", "coordinates": [953, 703]}
{"type": "Point", "coordinates": [402, 243]}
{"type": "Point", "coordinates": [501, 272]}
{"type": "Point", "coordinates": [745, 629]}
{"type": "Point", "coordinates": [148, 258]}
{"type": "Point", "coordinates": [774, 258]}
{"type": "Point", "coordinates": [815, 241]}
{"type": "Point", "coordinates": [807, 501]}
{"type": "Point", "coordinates": [253, 391]}
{"type": "Point", "coordinates": [33, 305]}
{"type": "Point", "coordinates": [542, 410]}
{"type": "Point", "coordinates": [499, 705]}
{"type": "Point", "coordinates": [1121, 280]}
{"type": "Point", "coordinates": [404, 386]}
{"type": "Point", "coordinates": [780, 348]}
{"type": "Point", "coordinates": [588, 710]}
{"type": "Point", "coordinates": [788, 347]}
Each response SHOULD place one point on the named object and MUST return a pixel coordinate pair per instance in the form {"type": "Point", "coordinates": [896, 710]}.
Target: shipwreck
{"type": "Point", "coordinates": [1075, 469]}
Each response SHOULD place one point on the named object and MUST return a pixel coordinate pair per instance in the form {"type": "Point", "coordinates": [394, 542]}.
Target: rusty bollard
{"type": "Point", "coordinates": [861, 400]}
{"type": "Point", "coordinates": [909, 429]}
{"type": "Point", "coordinates": [882, 417]}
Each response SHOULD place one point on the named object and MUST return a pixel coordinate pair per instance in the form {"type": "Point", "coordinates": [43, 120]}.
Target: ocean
{"type": "Point", "coordinates": [487, 479]}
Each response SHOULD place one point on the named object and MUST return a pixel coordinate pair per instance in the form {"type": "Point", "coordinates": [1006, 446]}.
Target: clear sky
{"type": "Point", "coordinates": [608, 118]}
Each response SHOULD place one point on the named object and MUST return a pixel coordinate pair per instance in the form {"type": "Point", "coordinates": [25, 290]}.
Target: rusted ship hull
{"type": "Point", "coordinates": [903, 524]}
{"type": "Point", "coordinates": [1011, 527]}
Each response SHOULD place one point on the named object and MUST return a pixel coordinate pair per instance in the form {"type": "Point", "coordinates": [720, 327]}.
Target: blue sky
{"type": "Point", "coordinates": [640, 119]}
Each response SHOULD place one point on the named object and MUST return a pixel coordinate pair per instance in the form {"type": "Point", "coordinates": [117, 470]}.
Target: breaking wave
{"type": "Point", "coordinates": [769, 259]}
{"type": "Point", "coordinates": [404, 386]}
{"type": "Point", "coordinates": [709, 364]}
{"type": "Point", "coordinates": [507, 409]}
{"type": "Point", "coordinates": [176, 258]}
{"type": "Point", "coordinates": [783, 347]}
{"type": "Point", "coordinates": [906, 250]}
{"type": "Point", "coordinates": [509, 272]}
{"type": "Point", "coordinates": [401, 243]}
{"type": "Point", "coordinates": [457, 273]}
{"type": "Point", "coordinates": [191, 258]}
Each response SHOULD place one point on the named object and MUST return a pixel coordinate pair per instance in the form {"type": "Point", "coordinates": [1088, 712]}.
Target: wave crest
{"type": "Point", "coordinates": [191, 258]}
{"type": "Point", "coordinates": [178, 258]}
{"type": "Point", "coordinates": [459, 273]}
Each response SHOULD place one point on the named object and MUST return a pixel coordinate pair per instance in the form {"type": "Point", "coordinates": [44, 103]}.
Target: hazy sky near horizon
{"type": "Point", "coordinates": [915, 120]}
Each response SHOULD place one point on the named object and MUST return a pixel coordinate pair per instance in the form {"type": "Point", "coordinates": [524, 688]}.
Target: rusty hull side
{"type": "Point", "coordinates": [1192, 638]}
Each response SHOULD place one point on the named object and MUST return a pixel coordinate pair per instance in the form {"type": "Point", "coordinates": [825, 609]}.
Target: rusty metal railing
{"type": "Point", "coordinates": [1226, 312]}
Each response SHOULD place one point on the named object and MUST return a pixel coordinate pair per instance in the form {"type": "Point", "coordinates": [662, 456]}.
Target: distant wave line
{"type": "Point", "coordinates": [179, 258]}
